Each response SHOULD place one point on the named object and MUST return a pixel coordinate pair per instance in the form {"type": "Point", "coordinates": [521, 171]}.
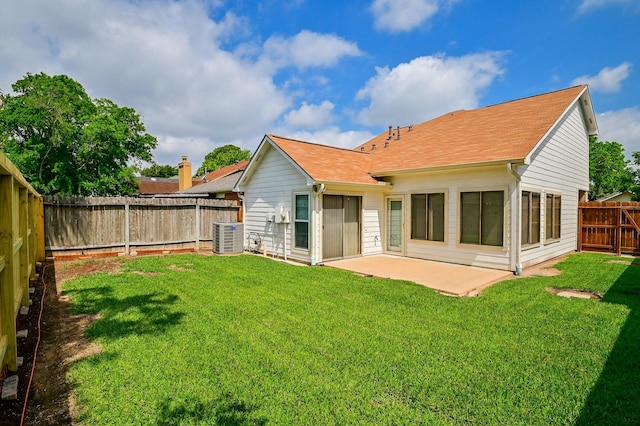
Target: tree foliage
{"type": "Point", "coordinates": [223, 156]}
{"type": "Point", "coordinates": [609, 169]}
{"type": "Point", "coordinates": [157, 170]}
{"type": "Point", "coordinates": [66, 143]}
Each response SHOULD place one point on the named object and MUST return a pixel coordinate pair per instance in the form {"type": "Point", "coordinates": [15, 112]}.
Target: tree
{"type": "Point", "coordinates": [222, 156]}
{"type": "Point", "coordinates": [66, 143]}
{"type": "Point", "coordinates": [609, 170]}
{"type": "Point", "coordinates": [636, 186]}
{"type": "Point", "coordinates": [157, 170]}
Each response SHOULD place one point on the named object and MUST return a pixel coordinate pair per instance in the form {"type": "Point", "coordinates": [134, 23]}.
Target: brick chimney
{"type": "Point", "coordinates": [184, 174]}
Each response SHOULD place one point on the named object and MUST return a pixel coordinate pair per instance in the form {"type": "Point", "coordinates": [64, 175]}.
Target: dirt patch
{"type": "Point", "coordinates": [574, 293]}
{"type": "Point", "coordinates": [51, 401]}
{"type": "Point", "coordinates": [544, 269]}
{"type": "Point", "coordinates": [180, 268]}
{"type": "Point", "coordinates": [67, 270]}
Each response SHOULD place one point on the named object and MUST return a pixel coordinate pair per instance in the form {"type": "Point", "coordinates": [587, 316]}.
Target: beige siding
{"type": "Point", "coordinates": [559, 165]}
{"type": "Point", "coordinates": [372, 212]}
{"type": "Point", "coordinates": [452, 183]}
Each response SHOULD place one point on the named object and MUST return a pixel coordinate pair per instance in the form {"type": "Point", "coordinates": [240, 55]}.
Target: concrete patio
{"type": "Point", "coordinates": [447, 278]}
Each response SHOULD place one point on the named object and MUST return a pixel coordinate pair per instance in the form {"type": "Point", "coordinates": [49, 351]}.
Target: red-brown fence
{"type": "Point", "coordinates": [612, 227]}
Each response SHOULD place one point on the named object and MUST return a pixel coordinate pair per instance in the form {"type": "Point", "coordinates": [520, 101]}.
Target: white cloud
{"type": "Point", "coordinates": [307, 49]}
{"type": "Point", "coordinates": [608, 80]}
{"type": "Point", "coordinates": [587, 5]}
{"type": "Point", "coordinates": [166, 59]}
{"type": "Point", "coordinates": [405, 15]}
{"type": "Point", "coordinates": [428, 86]}
{"type": "Point", "coordinates": [162, 58]}
{"type": "Point", "coordinates": [621, 126]}
{"type": "Point", "coordinates": [310, 115]}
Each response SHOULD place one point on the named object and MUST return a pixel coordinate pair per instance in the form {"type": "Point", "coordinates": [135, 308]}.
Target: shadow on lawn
{"type": "Point", "coordinates": [615, 398]}
{"type": "Point", "coordinates": [225, 410]}
{"type": "Point", "coordinates": [151, 313]}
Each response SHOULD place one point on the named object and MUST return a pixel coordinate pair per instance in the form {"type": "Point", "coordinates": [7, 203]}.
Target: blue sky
{"type": "Point", "coordinates": [208, 73]}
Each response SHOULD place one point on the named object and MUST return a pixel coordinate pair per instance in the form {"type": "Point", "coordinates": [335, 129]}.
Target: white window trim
{"type": "Point", "coordinates": [444, 191]}
{"type": "Point", "coordinates": [546, 239]}
{"type": "Point", "coordinates": [505, 221]}
{"type": "Point", "coordinates": [541, 193]}
{"type": "Point", "coordinates": [295, 249]}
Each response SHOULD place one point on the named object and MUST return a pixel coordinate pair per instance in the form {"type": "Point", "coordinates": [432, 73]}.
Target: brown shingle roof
{"type": "Point", "coordinates": [326, 163]}
{"type": "Point", "coordinates": [153, 185]}
{"type": "Point", "coordinates": [227, 170]}
{"type": "Point", "coordinates": [502, 132]}
{"type": "Point", "coordinates": [499, 133]}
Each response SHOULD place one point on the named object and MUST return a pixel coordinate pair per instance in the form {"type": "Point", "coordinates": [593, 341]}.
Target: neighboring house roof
{"type": "Point", "coordinates": [156, 185]}
{"type": "Point", "coordinates": [227, 170]}
{"type": "Point", "coordinates": [502, 133]}
{"type": "Point", "coordinates": [223, 184]}
{"type": "Point", "coordinates": [617, 196]}
{"type": "Point", "coordinates": [149, 185]}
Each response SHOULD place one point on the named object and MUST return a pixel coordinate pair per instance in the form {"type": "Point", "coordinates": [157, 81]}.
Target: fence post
{"type": "Point", "coordinates": [197, 224]}
{"type": "Point", "coordinates": [8, 277]}
{"type": "Point", "coordinates": [40, 232]}
{"type": "Point", "coordinates": [580, 212]}
{"type": "Point", "coordinates": [619, 231]}
{"type": "Point", "coordinates": [23, 230]}
{"type": "Point", "coordinates": [127, 227]}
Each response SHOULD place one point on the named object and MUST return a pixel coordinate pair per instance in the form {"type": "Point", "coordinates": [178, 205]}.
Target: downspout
{"type": "Point", "coordinates": [518, 217]}
{"type": "Point", "coordinates": [314, 230]}
{"type": "Point", "coordinates": [317, 191]}
{"type": "Point", "coordinates": [244, 228]}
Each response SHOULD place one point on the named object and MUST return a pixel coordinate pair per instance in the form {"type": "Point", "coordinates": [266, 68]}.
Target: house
{"type": "Point", "coordinates": [149, 186]}
{"type": "Point", "coordinates": [496, 187]}
{"type": "Point", "coordinates": [219, 183]}
{"type": "Point", "coordinates": [152, 186]}
{"type": "Point", "coordinates": [617, 196]}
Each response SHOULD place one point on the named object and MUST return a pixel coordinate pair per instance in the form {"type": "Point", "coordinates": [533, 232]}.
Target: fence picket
{"type": "Point", "coordinates": [126, 225]}
{"type": "Point", "coordinates": [610, 227]}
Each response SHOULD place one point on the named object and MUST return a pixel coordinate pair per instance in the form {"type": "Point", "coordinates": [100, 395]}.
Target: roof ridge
{"type": "Point", "coordinates": [321, 145]}
{"type": "Point", "coordinates": [524, 98]}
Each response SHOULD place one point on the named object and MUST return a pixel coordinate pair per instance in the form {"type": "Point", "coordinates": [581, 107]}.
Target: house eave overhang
{"type": "Point", "coordinates": [257, 156]}
{"type": "Point", "coordinates": [588, 115]}
{"type": "Point", "coordinates": [447, 167]}
{"type": "Point", "coordinates": [378, 185]}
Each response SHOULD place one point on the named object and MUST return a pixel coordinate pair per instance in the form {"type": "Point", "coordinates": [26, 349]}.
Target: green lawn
{"type": "Point", "coordinates": [195, 339]}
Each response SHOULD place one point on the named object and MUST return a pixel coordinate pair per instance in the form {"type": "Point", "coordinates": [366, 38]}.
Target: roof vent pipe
{"type": "Point", "coordinates": [390, 127]}
{"type": "Point", "coordinates": [398, 135]}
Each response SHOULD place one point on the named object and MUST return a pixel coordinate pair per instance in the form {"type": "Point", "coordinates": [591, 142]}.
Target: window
{"type": "Point", "coordinates": [482, 218]}
{"type": "Point", "coordinates": [530, 218]}
{"type": "Point", "coordinates": [301, 221]}
{"type": "Point", "coordinates": [553, 207]}
{"type": "Point", "coordinates": [427, 217]}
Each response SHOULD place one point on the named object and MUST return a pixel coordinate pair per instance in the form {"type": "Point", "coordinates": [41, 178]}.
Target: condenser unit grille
{"type": "Point", "coordinates": [228, 237]}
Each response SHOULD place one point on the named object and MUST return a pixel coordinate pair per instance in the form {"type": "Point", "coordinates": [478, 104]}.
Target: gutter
{"type": "Point", "coordinates": [383, 173]}
{"type": "Point", "coordinates": [516, 256]}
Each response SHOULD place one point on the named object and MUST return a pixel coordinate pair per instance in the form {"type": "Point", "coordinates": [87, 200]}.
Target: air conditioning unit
{"type": "Point", "coordinates": [228, 237]}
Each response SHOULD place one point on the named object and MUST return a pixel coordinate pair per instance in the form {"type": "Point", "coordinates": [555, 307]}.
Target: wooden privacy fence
{"type": "Point", "coordinates": [128, 225]}
{"type": "Point", "coordinates": [21, 245]}
{"type": "Point", "coordinates": [609, 227]}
